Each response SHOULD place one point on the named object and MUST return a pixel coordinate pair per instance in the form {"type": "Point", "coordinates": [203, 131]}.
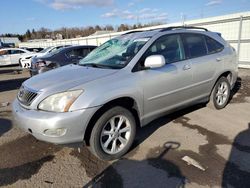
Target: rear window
{"type": "Point", "coordinates": [194, 45]}
{"type": "Point", "coordinates": [213, 46]}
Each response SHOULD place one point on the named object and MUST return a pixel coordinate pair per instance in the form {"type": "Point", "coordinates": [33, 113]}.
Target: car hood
{"type": "Point", "coordinates": [67, 77]}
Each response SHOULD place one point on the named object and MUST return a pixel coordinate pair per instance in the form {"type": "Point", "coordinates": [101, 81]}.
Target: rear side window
{"type": "Point", "coordinates": [213, 46]}
{"type": "Point", "coordinates": [195, 45]}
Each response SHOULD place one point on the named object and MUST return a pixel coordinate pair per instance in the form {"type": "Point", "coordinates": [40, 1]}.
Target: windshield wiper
{"type": "Point", "coordinates": [98, 65]}
{"type": "Point", "coordinates": [90, 65]}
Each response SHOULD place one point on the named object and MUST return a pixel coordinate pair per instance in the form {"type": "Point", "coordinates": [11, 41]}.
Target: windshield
{"type": "Point", "coordinates": [45, 50]}
{"type": "Point", "coordinates": [54, 52]}
{"type": "Point", "coordinates": [115, 53]}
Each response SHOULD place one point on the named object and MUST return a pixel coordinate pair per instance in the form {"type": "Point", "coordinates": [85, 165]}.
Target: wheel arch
{"type": "Point", "coordinates": [126, 102]}
{"type": "Point", "coordinates": [227, 74]}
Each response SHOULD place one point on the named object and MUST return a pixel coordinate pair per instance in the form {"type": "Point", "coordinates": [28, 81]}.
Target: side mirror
{"type": "Point", "coordinates": [155, 61]}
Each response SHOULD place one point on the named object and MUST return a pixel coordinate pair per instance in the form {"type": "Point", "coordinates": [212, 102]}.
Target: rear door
{"type": "Point", "coordinates": [169, 86]}
{"type": "Point", "coordinates": [204, 62]}
{"type": "Point", "coordinates": [4, 57]}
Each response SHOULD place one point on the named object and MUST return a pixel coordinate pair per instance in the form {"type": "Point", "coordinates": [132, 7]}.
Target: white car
{"type": "Point", "coordinates": [25, 60]}
{"type": "Point", "coordinates": [11, 56]}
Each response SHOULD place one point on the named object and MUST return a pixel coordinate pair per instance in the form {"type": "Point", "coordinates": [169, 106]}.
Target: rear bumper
{"type": "Point", "coordinates": [37, 122]}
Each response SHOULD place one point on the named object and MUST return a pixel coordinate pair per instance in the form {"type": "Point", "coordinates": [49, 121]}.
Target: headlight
{"type": "Point", "coordinates": [60, 102]}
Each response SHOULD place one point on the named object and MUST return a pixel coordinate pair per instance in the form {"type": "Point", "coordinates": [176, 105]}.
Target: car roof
{"type": "Point", "coordinates": [78, 46]}
{"type": "Point", "coordinates": [14, 49]}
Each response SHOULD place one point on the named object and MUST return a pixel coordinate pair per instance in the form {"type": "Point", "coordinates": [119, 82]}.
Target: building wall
{"type": "Point", "coordinates": [10, 40]}
{"type": "Point", "coordinates": [235, 28]}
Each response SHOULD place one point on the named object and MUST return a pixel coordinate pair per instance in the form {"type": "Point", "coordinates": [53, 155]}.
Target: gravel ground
{"type": "Point", "coordinates": [218, 140]}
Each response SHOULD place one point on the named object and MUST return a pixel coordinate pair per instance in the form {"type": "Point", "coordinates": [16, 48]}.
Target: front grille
{"type": "Point", "coordinates": [26, 96]}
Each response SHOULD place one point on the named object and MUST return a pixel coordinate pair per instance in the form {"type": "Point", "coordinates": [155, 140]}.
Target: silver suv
{"type": "Point", "coordinates": [127, 82]}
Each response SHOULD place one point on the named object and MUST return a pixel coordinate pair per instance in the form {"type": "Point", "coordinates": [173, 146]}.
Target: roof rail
{"type": "Point", "coordinates": [168, 29]}
{"type": "Point", "coordinates": [142, 30]}
{"type": "Point", "coordinates": [133, 32]}
{"type": "Point", "coordinates": [182, 27]}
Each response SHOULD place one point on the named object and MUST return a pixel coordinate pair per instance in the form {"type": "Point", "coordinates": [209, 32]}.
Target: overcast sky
{"type": "Point", "coordinates": [17, 16]}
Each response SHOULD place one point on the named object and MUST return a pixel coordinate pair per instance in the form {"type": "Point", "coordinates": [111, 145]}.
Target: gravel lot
{"type": "Point", "coordinates": [218, 140]}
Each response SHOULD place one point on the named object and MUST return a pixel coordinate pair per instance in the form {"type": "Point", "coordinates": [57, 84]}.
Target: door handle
{"type": "Point", "coordinates": [218, 59]}
{"type": "Point", "coordinates": [186, 67]}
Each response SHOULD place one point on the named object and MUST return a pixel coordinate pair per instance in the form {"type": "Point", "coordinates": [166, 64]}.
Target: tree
{"type": "Point", "coordinates": [28, 34]}
{"type": "Point", "coordinates": [109, 28]}
{"type": "Point", "coordinates": [123, 27]}
{"type": "Point", "coordinates": [33, 34]}
{"type": "Point", "coordinates": [98, 28]}
{"type": "Point", "coordinates": [73, 32]}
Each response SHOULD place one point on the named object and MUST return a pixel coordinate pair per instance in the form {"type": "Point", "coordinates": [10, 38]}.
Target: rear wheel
{"type": "Point", "coordinates": [113, 133]}
{"type": "Point", "coordinates": [220, 94]}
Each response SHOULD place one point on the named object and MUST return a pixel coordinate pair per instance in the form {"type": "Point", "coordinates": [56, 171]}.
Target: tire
{"type": "Point", "coordinates": [220, 94]}
{"type": "Point", "coordinates": [107, 141]}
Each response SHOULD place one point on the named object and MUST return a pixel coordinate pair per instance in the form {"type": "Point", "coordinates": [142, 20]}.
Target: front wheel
{"type": "Point", "coordinates": [220, 94]}
{"type": "Point", "coordinates": [113, 133]}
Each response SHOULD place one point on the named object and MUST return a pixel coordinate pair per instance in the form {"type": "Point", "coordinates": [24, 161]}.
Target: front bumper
{"type": "Point", "coordinates": [37, 122]}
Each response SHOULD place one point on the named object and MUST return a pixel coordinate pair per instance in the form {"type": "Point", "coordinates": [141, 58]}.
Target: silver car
{"type": "Point", "coordinates": [127, 82]}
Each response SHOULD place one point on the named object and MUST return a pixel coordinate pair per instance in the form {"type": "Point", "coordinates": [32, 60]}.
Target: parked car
{"type": "Point", "coordinates": [127, 82]}
{"type": "Point", "coordinates": [11, 56]}
{"type": "Point", "coordinates": [58, 58]}
{"type": "Point", "coordinates": [33, 49]}
{"type": "Point", "coordinates": [25, 60]}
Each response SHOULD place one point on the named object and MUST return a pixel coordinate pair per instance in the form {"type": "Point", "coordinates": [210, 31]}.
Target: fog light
{"type": "Point", "coordinates": [55, 132]}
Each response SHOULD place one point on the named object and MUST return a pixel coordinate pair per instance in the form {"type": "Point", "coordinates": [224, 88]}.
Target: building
{"type": "Point", "coordinates": [9, 41]}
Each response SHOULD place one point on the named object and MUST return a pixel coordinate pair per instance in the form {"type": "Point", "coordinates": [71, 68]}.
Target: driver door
{"type": "Point", "coordinates": [167, 87]}
{"type": "Point", "coordinates": [5, 57]}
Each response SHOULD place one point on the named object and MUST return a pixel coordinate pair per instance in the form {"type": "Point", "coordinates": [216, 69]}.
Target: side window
{"type": "Point", "coordinates": [76, 53]}
{"type": "Point", "coordinates": [20, 52]}
{"type": "Point", "coordinates": [16, 52]}
{"type": "Point", "coordinates": [170, 46]}
{"type": "Point", "coordinates": [194, 45]}
{"type": "Point", "coordinates": [85, 52]}
{"type": "Point", "coordinates": [70, 54]}
{"type": "Point", "coordinates": [213, 46]}
{"type": "Point", "coordinates": [13, 52]}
